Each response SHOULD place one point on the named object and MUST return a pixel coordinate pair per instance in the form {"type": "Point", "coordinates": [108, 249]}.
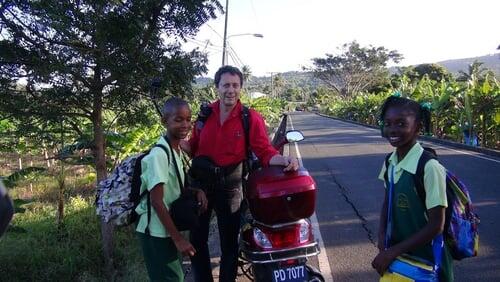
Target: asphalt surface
{"type": "Point", "coordinates": [345, 160]}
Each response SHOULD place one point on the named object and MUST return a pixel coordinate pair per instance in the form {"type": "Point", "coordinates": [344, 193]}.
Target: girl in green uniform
{"type": "Point", "coordinates": [414, 224]}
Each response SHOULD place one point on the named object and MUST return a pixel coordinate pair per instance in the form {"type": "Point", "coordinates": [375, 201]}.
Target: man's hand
{"type": "Point", "coordinates": [291, 164]}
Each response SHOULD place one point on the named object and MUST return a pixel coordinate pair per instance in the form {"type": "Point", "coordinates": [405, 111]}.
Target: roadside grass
{"type": "Point", "coordinates": [36, 249]}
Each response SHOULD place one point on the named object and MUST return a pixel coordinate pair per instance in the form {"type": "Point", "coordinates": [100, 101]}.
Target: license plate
{"type": "Point", "coordinates": [290, 274]}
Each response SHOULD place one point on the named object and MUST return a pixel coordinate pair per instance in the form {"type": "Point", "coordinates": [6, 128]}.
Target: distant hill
{"type": "Point", "coordinates": [306, 81]}
{"type": "Point", "coordinates": [299, 79]}
{"type": "Point", "coordinates": [491, 62]}
{"type": "Point", "coordinates": [203, 81]}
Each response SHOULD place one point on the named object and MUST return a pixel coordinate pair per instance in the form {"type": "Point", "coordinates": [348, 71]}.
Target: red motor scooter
{"type": "Point", "coordinates": [277, 240]}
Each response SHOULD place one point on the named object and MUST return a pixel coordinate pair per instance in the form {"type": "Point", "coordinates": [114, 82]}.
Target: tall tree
{"type": "Point", "coordinates": [433, 71]}
{"type": "Point", "coordinates": [355, 69]}
{"type": "Point", "coordinates": [82, 58]}
{"type": "Point", "coordinates": [278, 84]}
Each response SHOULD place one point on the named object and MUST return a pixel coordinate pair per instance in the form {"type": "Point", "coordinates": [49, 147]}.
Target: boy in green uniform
{"type": "Point", "coordinates": [163, 245]}
{"type": "Point", "coordinates": [414, 223]}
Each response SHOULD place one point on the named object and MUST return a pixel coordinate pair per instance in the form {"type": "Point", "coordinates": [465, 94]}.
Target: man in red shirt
{"type": "Point", "coordinates": [223, 141]}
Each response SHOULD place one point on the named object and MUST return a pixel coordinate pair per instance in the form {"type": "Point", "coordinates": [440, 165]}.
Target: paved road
{"type": "Point", "coordinates": [345, 160]}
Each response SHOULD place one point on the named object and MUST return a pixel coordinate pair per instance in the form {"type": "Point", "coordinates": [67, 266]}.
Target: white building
{"type": "Point", "coordinates": [255, 95]}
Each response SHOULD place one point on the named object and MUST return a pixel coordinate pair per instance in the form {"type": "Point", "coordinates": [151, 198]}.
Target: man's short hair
{"type": "Point", "coordinates": [228, 69]}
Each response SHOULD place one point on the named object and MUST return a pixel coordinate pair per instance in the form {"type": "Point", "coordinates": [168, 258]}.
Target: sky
{"type": "Point", "coordinates": [295, 31]}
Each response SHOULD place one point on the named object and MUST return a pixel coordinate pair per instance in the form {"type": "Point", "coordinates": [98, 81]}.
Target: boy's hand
{"type": "Point", "coordinates": [184, 247]}
{"type": "Point", "coordinates": [202, 200]}
{"type": "Point", "coordinates": [185, 146]}
{"type": "Point", "coordinates": [382, 261]}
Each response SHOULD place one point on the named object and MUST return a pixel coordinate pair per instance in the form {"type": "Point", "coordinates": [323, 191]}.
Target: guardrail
{"type": "Point", "coordinates": [486, 151]}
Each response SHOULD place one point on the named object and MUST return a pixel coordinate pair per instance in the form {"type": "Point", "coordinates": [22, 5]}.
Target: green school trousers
{"type": "Point", "coordinates": [163, 261]}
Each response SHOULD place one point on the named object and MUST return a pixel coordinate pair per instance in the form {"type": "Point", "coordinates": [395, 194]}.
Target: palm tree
{"type": "Point", "coordinates": [247, 73]}
{"type": "Point", "coordinates": [278, 84]}
{"type": "Point", "coordinates": [474, 71]}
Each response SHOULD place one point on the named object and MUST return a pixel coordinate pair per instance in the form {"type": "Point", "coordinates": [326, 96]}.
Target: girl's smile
{"type": "Point", "coordinates": [401, 129]}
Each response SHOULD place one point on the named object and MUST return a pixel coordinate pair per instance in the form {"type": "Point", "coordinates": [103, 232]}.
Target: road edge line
{"type": "Point", "coordinates": [323, 261]}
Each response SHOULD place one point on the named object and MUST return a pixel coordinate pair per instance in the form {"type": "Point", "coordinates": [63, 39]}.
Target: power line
{"type": "Point", "coordinates": [231, 54]}
{"type": "Point", "coordinates": [255, 14]}
{"type": "Point", "coordinates": [236, 55]}
{"type": "Point", "coordinates": [215, 31]}
{"type": "Point", "coordinates": [205, 44]}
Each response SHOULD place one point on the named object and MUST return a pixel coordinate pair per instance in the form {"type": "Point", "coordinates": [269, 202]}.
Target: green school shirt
{"type": "Point", "coordinates": [157, 168]}
{"type": "Point", "coordinates": [434, 175]}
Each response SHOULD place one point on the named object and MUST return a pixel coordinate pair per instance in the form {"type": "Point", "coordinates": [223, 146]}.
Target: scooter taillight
{"type": "Point", "coordinates": [287, 236]}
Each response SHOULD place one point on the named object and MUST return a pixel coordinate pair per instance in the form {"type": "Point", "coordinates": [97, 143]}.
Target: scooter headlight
{"type": "Point", "coordinates": [261, 239]}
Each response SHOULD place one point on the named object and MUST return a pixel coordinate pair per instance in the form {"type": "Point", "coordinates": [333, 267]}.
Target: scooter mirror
{"type": "Point", "coordinates": [294, 136]}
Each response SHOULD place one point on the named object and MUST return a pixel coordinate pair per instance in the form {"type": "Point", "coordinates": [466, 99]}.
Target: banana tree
{"type": "Point", "coordinates": [270, 108]}
{"type": "Point", "coordinates": [486, 101]}
{"type": "Point", "coordinates": [444, 118]}
{"type": "Point", "coordinates": [465, 99]}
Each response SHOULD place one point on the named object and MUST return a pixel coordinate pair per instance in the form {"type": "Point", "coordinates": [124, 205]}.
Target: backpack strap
{"type": "Point", "coordinates": [418, 177]}
{"type": "Point", "coordinates": [245, 119]}
{"type": "Point", "coordinates": [146, 192]}
{"type": "Point", "coordinates": [386, 173]}
{"type": "Point", "coordinates": [181, 185]}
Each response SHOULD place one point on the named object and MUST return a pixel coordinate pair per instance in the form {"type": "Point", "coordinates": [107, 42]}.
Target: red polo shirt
{"type": "Point", "coordinates": [225, 143]}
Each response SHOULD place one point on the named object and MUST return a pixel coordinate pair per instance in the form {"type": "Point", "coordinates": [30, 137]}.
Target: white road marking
{"type": "Point", "coordinates": [324, 263]}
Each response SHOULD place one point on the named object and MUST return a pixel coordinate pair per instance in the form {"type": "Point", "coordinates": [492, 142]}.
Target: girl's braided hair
{"type": "Point", "coordinates": [422, 112]}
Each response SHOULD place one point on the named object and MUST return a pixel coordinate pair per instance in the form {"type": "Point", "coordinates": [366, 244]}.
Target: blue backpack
{"type": "Point", "coordinates": [461, 223]}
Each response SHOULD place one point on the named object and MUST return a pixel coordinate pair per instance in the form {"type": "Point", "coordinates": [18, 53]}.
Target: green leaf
{"type": "Point", "coordinates": [485, 89]}
{"type": "Point", "coordinates": [18, 203]}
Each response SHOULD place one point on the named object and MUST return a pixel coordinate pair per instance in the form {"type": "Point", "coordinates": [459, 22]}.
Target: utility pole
{"type": "Point", "coordinates": [272, 83]}
{"type": "Point", "coordinates": [224, 43]}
